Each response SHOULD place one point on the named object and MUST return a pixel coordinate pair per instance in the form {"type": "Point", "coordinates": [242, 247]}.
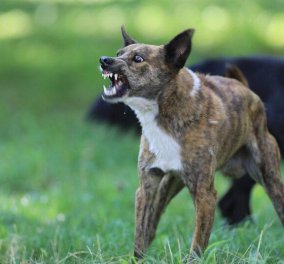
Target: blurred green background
{"type": "Point", "coordinates": [67, 187]}
{"type": "Point", "coordinates": [50, 49]}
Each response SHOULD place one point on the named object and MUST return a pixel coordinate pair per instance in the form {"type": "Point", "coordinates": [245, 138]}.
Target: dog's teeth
{"type": "Point", "coordinates": [108, 92]}
{"type": "Point", "coordinates": [116, 76]}
{"type": "Point", "coordinates": [113, 90]}
{"type": "Point", "coordinates": [110, 75]}
{"type": "Point", "coordinates": [105, 90]}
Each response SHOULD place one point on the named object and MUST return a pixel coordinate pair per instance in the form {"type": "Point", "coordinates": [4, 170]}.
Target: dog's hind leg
{"type": "Point", "coordinates": [155, 193]}
{"type": "Point", "coordinates": [270, 169]}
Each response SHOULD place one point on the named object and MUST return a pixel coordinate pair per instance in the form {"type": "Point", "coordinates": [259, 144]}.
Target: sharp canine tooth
{"type": "Point", "coordinates": [105, 90]}
{"type": "Point", "coordinates": [115, 76]}
{"type": "Point", "coordinates": [110, 91]}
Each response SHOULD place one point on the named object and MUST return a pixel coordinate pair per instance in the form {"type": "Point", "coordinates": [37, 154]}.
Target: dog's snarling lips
{"type": "Point", "coordinates": [118, 85]}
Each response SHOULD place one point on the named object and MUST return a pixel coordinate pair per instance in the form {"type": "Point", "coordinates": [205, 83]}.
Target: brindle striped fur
{"type": "Point", "coordinates": [223, 126]}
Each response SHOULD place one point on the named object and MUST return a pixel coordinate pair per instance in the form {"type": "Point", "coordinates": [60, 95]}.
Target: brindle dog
{"type": "Point", "coordinates": [192, 125]}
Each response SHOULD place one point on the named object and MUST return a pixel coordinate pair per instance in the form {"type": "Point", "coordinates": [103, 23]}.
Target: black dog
{"type": "Point", "coordinates": [265, 76]}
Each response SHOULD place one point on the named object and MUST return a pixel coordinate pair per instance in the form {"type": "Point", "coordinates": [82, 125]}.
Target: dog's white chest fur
{"type": "Point", "coordinates": [165, 147]}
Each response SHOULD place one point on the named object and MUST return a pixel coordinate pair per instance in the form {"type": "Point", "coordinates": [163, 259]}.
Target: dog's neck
{"type": "Point", "coordinates": [196, 83]}
{"type": "Point", "coordinates": [182, 93]}
{"type": "Point", "coordinates": [186, 79]}
{"type": "Point", "coordinates": [145, 110]}
{"type": "Point", "coordinates": [187, 84]}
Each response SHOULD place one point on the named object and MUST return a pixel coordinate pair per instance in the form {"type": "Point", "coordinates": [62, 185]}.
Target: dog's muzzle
{"type": "Point", "coordinates": [118, 81]}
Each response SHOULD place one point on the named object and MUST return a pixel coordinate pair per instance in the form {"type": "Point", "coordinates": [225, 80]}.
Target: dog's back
{"type": "Point", "coordinates": [265, 75]}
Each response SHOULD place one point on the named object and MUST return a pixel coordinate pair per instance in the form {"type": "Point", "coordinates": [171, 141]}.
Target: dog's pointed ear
{"type": "Point", "coordinates": [126, 39]}
{"type": "Point", "coordinates": [178, 49]}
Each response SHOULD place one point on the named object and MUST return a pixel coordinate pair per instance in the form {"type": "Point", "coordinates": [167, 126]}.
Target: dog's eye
{"type": "Point", "coordinates": [138, 58]}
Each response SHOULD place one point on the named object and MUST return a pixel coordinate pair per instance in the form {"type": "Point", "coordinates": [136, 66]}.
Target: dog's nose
{"type": "Point", "coordinates": [106, 61]}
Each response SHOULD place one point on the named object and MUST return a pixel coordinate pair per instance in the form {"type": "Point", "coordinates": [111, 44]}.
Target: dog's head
{"type": "Point", "coordinates": [141, 70]}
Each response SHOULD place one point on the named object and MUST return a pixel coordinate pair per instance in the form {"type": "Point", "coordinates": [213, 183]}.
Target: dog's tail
{"type": "Point", "coordinates": [234, 72]}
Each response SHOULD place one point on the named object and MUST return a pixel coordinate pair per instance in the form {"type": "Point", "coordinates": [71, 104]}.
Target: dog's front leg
{"type": "Point", "coordinates": [200, 182]}
{"type": "Point", "coordinates": [155, 192]}
{"type": "Point", "coordinates": [205, 203]}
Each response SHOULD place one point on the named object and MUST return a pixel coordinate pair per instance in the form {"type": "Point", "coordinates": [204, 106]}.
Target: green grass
{"type": "Point", "coordinates": [67, 196]}
{"type": "Point", "coordinates": [67, 187]}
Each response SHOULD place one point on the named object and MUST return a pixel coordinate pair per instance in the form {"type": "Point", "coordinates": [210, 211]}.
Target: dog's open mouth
{"type": "Point", "coordinates": [118, 85]}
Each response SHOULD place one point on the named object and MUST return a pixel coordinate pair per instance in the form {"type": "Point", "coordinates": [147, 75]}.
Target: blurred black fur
{"type": "Point", "coordinates": [118, 114]}
{"type": "Point", "coordinates": [265, 75]}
